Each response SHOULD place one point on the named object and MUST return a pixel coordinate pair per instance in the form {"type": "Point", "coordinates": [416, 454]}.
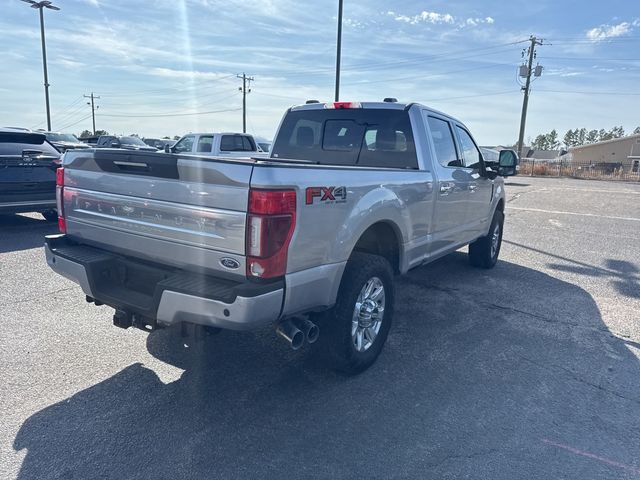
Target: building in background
{"type": "Point", "coordinates": [618, 153]}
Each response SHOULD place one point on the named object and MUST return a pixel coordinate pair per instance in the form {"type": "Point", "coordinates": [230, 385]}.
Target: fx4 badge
{"type": "Point", "coordinates": [326, 195]}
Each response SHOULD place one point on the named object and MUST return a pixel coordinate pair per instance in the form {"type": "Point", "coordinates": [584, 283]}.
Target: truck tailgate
{"type": "Point", "coordinates": [189, 212]}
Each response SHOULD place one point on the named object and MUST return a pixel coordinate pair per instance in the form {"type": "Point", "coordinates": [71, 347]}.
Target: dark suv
{"type": "Point", "coordinates": [28, 165]}
{"type": "Point", "coordinates": [64, 141]}
{"type": "Point", "coordinates": [126, 142]}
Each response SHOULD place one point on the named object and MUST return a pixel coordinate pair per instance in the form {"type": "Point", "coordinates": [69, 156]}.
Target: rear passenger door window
{"type": "Point", "coordinates": [205, 143]}
{"type": "Point", "coordinates": [443, 143]}
{"type": "Point", "coordinates": [470, 153]}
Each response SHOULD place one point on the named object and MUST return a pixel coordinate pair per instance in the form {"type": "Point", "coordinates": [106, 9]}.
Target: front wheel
{"type": "Point", "coordinates": [354, 331]}
{"type": "Point", "coordinates": [484, 251]}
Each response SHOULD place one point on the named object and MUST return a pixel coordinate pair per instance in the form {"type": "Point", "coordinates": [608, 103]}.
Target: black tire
{"type": "Point", "coordinates": [481, 253]}
{"type": "Point", "coordinates": [50, 215]}
{"type": "Point", "coordinates": [336, 347]}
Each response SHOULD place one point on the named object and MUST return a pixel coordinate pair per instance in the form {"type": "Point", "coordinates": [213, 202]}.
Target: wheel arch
{"type": "Point", "coordinates": [382, 238]}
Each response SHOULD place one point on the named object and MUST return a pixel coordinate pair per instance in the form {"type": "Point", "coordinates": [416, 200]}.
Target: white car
{"type": "Point", "coordinates": [224, 144]}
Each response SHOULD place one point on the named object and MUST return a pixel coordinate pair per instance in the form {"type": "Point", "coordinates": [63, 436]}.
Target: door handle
{"type": "Point", "coordinates": [446, 188]}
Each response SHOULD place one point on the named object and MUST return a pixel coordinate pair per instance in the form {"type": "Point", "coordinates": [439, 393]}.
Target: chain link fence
{"type": "Point", "coordinates": [626, 171]}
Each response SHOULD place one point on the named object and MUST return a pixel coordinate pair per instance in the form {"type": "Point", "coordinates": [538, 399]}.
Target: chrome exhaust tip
{"type": "Point", "coordinates": [291, 334]}
{"type": "Point", "coordinates": [310, 329]}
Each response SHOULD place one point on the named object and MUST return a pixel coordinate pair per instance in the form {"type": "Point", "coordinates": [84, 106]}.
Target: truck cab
{"type": "Point", "coordinates": [224, 144]}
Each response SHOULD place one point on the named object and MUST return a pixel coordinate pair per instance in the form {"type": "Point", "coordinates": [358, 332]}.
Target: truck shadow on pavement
{"type": "Point", "coordinates": [507, 373]}
{"type": "Point", "coordinates": [21, 232]}
{"type": "Point", "coordinates": [623, 275]}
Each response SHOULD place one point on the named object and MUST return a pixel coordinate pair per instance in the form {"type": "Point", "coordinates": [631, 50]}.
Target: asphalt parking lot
{"type": "Point", "coordinates": [529, 370]}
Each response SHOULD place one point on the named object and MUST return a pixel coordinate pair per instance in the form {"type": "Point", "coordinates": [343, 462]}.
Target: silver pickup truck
{"type": "Point", "coordinates": [308, 240]}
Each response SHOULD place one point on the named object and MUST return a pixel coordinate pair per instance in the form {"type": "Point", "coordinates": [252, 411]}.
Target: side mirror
{"type": "Point", "coordinates": [115, 144]}
{"type": "Point", "coordinates": [507, 163]}
{"type": "Point", "coordinates": [167, 148]}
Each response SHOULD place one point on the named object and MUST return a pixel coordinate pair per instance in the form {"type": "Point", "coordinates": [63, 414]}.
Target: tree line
{"type": "Point", "coordinates": [87, 133]}
{"type": "Point", "coordinates": [577, 137]}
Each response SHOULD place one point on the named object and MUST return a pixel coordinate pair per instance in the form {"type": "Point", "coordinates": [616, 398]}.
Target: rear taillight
{"type": "Point", "coordinates": [62, 225]}
{"type": "Point", "coordinates": [271, 221]}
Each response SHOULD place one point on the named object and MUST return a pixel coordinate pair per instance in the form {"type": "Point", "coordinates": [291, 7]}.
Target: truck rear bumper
{"type": "Point", "coordinates": [165, 294]}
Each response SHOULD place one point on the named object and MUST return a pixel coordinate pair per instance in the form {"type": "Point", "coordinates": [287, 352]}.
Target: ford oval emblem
{"type": "Point", "coordinates": [229, 263]}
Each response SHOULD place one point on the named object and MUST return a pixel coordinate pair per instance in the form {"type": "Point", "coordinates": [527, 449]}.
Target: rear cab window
{"type": "Point", "coordinates": [237, 143]}
{"type": "Point", "coordinates": [368, 137]}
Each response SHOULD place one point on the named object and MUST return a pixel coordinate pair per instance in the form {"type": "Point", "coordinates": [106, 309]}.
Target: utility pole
{"type": "Point", "coordinates": [93, 109]}
{"type": "Point", "coordinates": [246, 82]}
{"type": "Point", "coordinates": [527, 87]}
{"type": "Point", "coordinates": [40, 6]}
{"type": "Point", "coordinates": [338, 51]}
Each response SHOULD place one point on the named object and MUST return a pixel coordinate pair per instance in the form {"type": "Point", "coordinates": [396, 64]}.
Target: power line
{"type": "Point", "coordinates": [595, 59]}
{"type": "Point", "coordinates": [172, 114]}
{"type": "Point", "coordinates": [216, 94]}
{"type": "Point", "coordinates": [75, 123]}
{"type": "Point", "coordinates": [491, 94]}
{"type": "Point", "coordinates": [422, 77]}
{"type": "Point", "coordinates": [165, 91]}
{"type": "Point", "coordinates": [70, 114]}
{"type": "Point", "coordinates": [448, 56]}
{"type": "Point", "coordinates": [590, 93]}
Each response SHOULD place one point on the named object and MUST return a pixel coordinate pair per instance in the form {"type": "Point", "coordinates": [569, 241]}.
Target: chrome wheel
{"type": "Point", "coordinates": [495, 240]}
{"type": "Point", "coordinates": [368, 314]}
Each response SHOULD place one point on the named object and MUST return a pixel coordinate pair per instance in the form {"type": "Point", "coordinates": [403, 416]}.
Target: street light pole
{"type": "Point", "coordinates": [44, 64]}
{"type": "Point", "coordinates": [40, 6]}
{"type": "Point", "coordinates": [338, 50]}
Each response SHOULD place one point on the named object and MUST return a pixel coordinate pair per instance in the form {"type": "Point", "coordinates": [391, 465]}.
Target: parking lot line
{"type": "Point", "coordinates": [593, 456]}
{"type": "Point", "coordinates": [558, 212]}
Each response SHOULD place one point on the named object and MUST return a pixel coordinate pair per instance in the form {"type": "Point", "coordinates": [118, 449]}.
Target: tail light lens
{"type": "Point", "coordinates": [271, 221]}
{"type": "Point", "coordinates": [62, 225]}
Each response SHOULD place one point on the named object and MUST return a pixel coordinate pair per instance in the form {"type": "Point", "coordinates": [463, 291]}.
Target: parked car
{"type": "Point", "coordinates": [226, 144]}
{"type": "Point", "coordinates": [28, 165]}
{"type": "Point", "coordinates": [159, 143]}
{"type": "Point", "coordinates": [64, 141]}
{"type": "Point", "coordinates": [91, 141]}
{"type": "Point", "coordinates": [263, 144]}
{"type": "Point", "coordinates": [126, 142]}
{"type": "Point", "coordinates": [20, 129]}
{"type": "Point", "coordinates": [309, 239]}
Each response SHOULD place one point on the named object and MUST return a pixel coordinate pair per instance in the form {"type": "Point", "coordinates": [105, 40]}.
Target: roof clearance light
{"type": "Point", "coordinates": [341, 105]}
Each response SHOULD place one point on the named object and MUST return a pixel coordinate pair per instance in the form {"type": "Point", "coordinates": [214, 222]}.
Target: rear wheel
{"type": "Point", "coordinates": [50, 215]}
{"type": "Point", "coordinates": [484, 251]}
{"type": "Point", "coordinates": [353, 332]}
